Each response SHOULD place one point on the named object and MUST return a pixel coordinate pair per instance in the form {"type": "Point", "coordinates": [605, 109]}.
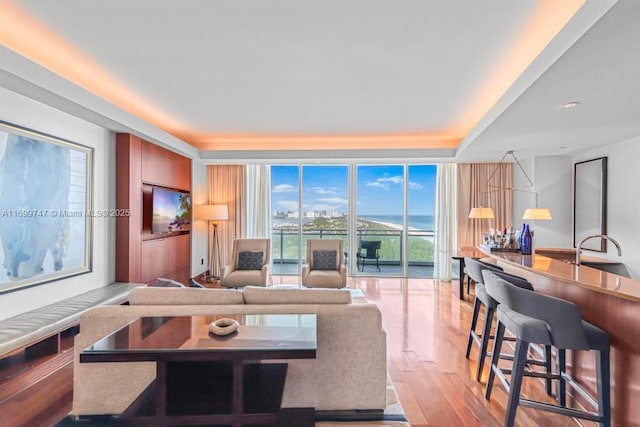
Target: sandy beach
{"type": "Point", "coordinates": [391, 225]}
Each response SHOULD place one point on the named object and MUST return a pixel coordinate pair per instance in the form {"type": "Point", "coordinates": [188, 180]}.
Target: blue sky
{"type": "Point", "coordinates": [379, 189]}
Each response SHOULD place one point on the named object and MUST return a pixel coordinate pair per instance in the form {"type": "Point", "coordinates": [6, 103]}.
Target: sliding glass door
{"type": "Point", "coordinates": [308, 202]}
{"type": "Point", "coordinates": [325, 203]}
{"type": "Point", "coordinates": [421, 194]}
{"type": "Point", "coordinates": [380, 220]}
{"type": "Point", "coordinates": [390, 231]}
{"type": "Point", "coordinates": [285, 219]}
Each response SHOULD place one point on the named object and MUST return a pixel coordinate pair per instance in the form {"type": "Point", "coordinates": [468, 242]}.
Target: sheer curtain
{"type": "Point", "coordinates": [259, 201]}
{"type": "Point", "coordinates": [227, 186]}
{"type": "Point", "coordinates": [445, 221]}
{"type": "Point", "coordinates": [474, 191]}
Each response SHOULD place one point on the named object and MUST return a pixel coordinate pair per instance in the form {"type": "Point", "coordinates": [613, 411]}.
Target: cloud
{"type": "Point", "coordinates": [320, 190]}
{"type": "Point", "coordinates": [392, 179]}
{"type": "Point", "coordinates": [334, 200]}
{"type": "Point", "coordinates": [377, 183]}
{"type": "Point", "coordinates": [386, 182]}
{"type": "Point", "coordinates": [283, 188]}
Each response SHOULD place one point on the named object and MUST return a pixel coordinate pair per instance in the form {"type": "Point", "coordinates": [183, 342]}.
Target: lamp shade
{"type": "Point", "coordinates": [536, 213]}
{"type": "Point", "coordinates": [212, 212]}
{"type": "Point", "coordinates": [482, 213]}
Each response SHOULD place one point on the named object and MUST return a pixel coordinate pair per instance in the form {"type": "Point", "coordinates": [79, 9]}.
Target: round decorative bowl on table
{"type": "Point", "coordinates": [223, 327]}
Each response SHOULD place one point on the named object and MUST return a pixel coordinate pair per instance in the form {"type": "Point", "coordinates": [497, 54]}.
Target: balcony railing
{"type": "Point", "coordinates": [420, 251]}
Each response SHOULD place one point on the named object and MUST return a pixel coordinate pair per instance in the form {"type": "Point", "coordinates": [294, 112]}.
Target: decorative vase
{"type": "Point", "coordinates": [527, 241]}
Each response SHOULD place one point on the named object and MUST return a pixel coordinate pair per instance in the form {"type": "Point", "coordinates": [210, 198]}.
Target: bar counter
{"type": "Point", "coordinates": [583, 276]}
{"type": "Point", "coordinates": [606, 300]}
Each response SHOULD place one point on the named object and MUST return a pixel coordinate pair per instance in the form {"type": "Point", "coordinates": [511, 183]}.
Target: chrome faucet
{"type": "Point", "coordinates": [594, 236]}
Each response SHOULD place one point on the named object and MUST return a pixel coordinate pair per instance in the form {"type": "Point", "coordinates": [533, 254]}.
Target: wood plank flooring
{"type": "Point", "coordinates": [427, 330]}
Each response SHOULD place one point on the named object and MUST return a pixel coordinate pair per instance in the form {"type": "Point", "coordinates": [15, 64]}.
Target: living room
{"type": "Point", "coordinates": [37, 95]}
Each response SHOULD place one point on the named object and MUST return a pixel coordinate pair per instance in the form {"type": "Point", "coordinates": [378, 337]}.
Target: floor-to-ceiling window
{"type": "Point", "coordinates": [308, 202]}
{"type": "Point", "coordinates": [285, 217]}
{"type": "Point", "coordinates": [380, 219]}
{"type": "Point", "coordinates": [390, 233]}
{"type": "Point", "coordinates": [325, 203]}
{"type": "Point", "coordinates": [421, 193]}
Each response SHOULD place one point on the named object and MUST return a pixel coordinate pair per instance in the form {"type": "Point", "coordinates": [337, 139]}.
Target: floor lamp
{"type": "Point", "coordinates": [213, 213]}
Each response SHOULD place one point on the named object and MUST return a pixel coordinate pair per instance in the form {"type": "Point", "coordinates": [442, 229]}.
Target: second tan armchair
{"type": "Point", "coordinates": [249, 264]}
{"type": "Point", "coordinates": [324, 268]}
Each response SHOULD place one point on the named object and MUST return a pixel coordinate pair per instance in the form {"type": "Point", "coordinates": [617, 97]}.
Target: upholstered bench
{"type": "Point", "coordinates": [41, 328]}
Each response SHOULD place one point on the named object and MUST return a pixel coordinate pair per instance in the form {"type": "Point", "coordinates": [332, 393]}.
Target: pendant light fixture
{"type": "Point", "coordinates": [535, 213]}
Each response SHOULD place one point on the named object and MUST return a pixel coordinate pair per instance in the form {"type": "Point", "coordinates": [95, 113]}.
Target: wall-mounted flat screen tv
{"type": "Point", "coordinates": [171, 211]}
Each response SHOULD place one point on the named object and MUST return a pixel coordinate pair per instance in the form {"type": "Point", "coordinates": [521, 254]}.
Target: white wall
{"type": "Point", "coordinates": [521, 200]}
{"type": "Point", "coordinates": [19, 110]}
{"type": "Point", "coordinates": [199, 231]}
{"type": "Point", "coordinates": [553, 183]}
{"type": "Point", "coordinates": [552, 178]}
{"type": "Point", "coordinates": [623, 175]}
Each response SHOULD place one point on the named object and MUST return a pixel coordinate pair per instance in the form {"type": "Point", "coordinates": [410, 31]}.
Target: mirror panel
{"type": "Point", "coordinates": [590, 203]}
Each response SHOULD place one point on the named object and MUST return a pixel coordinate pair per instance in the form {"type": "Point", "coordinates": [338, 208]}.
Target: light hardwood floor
{"type": "Point", "coordinates": [427, 330]}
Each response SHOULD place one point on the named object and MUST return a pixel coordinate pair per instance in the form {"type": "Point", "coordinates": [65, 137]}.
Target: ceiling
{"type": "Point", "coordinates": [278, 79]}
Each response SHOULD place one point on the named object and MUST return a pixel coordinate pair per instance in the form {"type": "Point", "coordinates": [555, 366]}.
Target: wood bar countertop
{"type": "Point", "coordinates": [606, 300]}
{"type": "Point", "coordinates": [583, 276]}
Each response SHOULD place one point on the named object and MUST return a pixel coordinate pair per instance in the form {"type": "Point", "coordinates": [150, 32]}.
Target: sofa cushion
{"type": "Point", "coordinates": [325, 279]}
{"type": "Point", "coordinates": [259, 295]}
{"type": "Point", "coordinates": [240, 278]}
{"type": "Point", "coordinates": [248, 260]}
{"type": "Point", "coordinates": [324, 260]}
{"type": "Point", "coordinates": [184, 296]}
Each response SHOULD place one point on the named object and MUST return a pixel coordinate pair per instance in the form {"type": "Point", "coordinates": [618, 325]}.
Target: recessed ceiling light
{"type": "Point", "coordinates": [569, 105]}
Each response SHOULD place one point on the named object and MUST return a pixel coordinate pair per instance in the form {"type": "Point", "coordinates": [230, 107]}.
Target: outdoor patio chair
{"type": "Point", "coordinates": [368, 250]}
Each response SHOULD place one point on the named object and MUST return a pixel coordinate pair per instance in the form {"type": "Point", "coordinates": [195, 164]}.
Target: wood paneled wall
{"type": "Point", "coordinates": [165, 168]}
{"type": "Point", "coordinates": [140, 258]}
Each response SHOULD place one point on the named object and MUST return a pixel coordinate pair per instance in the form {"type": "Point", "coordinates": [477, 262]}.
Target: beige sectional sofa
{"type": "Point", "coordinates": [349, 371]}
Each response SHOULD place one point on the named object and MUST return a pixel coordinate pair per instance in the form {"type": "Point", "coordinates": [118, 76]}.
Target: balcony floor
{"type": "Point", "coordinates": [291, 269]}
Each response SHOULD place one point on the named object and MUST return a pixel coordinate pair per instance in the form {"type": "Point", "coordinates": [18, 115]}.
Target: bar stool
{"type": "Point", "coordinates": [483, 298]}
{"type": "Point", "coordinates": [545, 360]}
{"type": "Point", "coordinates": [474, 269]}
{"type": "Point", "coordinates": [541, 319]}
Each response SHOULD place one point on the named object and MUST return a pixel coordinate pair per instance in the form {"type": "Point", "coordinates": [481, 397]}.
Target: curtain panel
{"type": "Point", "coordinates": [259, 201]}
{"type": "Point", "coordinates": [475, 190]}
{"type": "Point", "coordinates": [227, 186]}
{"type": "Point", "coordinates": [445, 220]}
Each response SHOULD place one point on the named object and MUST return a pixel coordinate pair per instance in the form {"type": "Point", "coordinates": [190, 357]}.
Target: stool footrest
{"type": "Point", "coordinates": [562, 410]}
{"type": "Point", "coordinates": [577, 387]}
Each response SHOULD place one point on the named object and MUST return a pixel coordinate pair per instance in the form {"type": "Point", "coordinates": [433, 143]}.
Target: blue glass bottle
{"type": "Point", "coordinates": [526, 245]}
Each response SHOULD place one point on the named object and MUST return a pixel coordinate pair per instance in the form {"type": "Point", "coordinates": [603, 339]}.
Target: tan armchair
{"type": "Point", "coordinates": [249, 264]}
{"type": "Point", "coordinates": [322, 269]}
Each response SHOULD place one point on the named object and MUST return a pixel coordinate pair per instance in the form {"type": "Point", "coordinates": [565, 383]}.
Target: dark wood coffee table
{"type": "Point", "coordinates": [203, 379]}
